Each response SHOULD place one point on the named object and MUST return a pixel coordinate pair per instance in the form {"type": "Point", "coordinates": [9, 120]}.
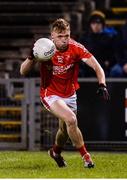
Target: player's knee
{"type": "Point", "coordinates": [72, 120]}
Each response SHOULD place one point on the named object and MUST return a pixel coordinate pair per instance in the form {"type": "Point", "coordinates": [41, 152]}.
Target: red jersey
{"type": "Point", "coordinates": [60, 75]}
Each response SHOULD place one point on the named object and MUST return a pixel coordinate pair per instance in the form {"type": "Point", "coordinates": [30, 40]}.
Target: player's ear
{"type": "Point", "coordinates": [52, 36]}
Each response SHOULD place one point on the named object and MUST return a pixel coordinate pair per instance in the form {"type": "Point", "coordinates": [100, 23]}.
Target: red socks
{"type": "Point", "coordinates": [57, 149]}
{"type": "Point", "coordinates": [82, 150]}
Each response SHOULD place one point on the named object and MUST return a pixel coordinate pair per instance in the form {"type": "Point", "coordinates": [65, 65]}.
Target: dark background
{"type": "Point", "coordinates": [100, 120]}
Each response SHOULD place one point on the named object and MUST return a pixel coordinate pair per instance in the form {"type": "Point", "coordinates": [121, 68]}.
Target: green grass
{"type": "Point", "coordinates": [39, 165]}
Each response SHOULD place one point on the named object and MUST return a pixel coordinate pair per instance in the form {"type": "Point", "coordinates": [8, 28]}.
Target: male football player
{"type": "Point", "coordinates": [58, 88]}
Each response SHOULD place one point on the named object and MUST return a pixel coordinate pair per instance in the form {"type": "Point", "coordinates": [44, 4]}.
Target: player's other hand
{"type": "Point", "coordinates": [103, 92]}
{"type": "Point", "coordinates": [31, 55]}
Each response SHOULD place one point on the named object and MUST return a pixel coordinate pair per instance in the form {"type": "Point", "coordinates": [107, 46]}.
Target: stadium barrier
{"type": "Point", "coordinates": [25, 125]}
{"type": "Point", "coordinates": [13, 114]}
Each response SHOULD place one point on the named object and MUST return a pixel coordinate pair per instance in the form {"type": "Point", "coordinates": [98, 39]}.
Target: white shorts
{"type": "Point", "coordinates": [70, 101]}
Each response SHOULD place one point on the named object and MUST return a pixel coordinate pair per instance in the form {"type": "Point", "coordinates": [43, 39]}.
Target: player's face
{"type": "Point", "coordinates": [61, 39]}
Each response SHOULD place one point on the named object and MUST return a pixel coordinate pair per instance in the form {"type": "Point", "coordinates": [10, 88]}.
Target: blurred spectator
{"type": "Point", "coordinates": [120, 68]}
{"type": "Point", "coordinates": [101, 42]}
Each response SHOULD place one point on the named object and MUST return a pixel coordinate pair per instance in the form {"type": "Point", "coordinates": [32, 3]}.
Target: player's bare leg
{"type": "Point", "coordinates": [61, 135]}
{"type": "Point", "coordinates": [62, 111]}
{"type": "Point", "coordinates": [60, 140]}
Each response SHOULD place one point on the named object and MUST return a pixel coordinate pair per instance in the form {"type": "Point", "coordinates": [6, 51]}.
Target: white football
{"type": "Point", "coordinates": [43, 49]}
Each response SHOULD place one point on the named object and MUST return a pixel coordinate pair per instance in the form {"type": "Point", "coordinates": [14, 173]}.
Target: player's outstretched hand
{"type": "Point", "coordinates": [103, 92]}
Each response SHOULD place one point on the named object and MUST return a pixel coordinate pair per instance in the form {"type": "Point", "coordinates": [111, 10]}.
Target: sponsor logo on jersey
{"type": "Point", "coordinates": [61, 69]}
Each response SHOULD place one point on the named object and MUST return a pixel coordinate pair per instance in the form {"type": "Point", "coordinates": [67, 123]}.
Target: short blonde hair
{"type": "Point", "coordinates": [60, 25]}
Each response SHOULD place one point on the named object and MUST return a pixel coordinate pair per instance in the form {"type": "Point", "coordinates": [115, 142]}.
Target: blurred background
{"type": "Point", "coordinates": [101, 26]}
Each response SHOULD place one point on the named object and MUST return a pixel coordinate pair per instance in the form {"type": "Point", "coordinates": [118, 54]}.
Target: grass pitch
{"type": "Point", "coordinates": [39, 165]}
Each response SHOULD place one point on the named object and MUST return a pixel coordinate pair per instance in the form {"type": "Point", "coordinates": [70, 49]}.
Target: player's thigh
{"type": "Point", "coordinates": [62, 111]}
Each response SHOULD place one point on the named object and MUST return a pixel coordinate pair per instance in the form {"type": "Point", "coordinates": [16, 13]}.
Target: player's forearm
{"type": "Point", "coordinates": [99, 72]}
{"type": "Point", "coordinates": [100, 75]}
{"type": "Point", "coordinates": [26, 66]}
{"type": "Point", "coordinates": [93, 63]}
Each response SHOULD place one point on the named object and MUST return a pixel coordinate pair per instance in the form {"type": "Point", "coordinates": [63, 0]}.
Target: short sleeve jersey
{"type": "Point", "coordinates": [59, 76]}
